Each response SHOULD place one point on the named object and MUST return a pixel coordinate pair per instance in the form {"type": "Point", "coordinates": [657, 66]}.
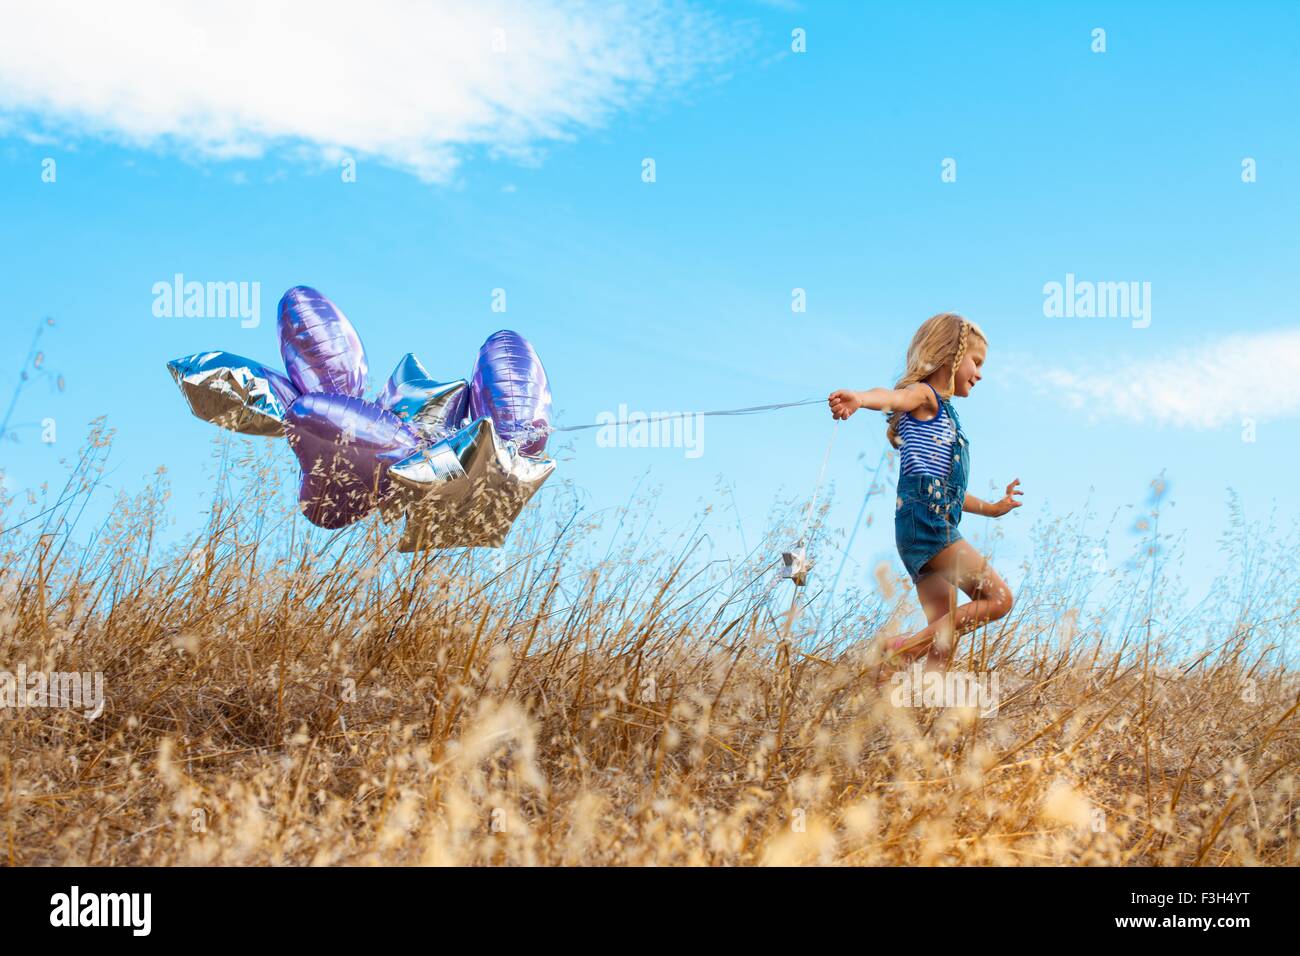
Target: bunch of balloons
{"type": "Point", "coordinates": [459, 459]}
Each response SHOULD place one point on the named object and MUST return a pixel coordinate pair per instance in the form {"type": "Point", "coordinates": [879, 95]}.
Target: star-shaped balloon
{"type": "Point", "coordinates": [234, 392]}
{"type": "Point", "coordinates": [469, 489]}
{"type": "Point", "coordinates": [436, 409]}
{"type": "Point", "coordinates": [460, 458]}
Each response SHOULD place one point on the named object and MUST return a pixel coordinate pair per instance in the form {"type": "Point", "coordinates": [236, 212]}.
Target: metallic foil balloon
{"type": "Point", "coordinates": [344, 446]}
{"type": "Point", "coordinates": [796, 565]}
{"type": "Point", "coordinates": [459, 459]}
{"type": "Point", "coordinates": [457, 416]}
{"type": "Point", "coordinates": [509, 385]}
{"type": "Point", "coordinates": [468, 489]}
{"type": "Point", "coordinates": [409, 369]}
{"type": "Point", "coordinates": [432, 408]}
{"type": "Point", "coordinates": [234, 392]}
{"type": "Point", "coordinates": [321, 350]}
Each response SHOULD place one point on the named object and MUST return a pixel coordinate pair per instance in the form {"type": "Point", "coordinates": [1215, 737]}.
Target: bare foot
{"type": "Point", "coordinates": [913, 646]}
{"type": "Point", "coordinates": [895, 656]}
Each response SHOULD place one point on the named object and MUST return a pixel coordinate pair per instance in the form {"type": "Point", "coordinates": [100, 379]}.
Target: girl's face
{"type": "Point", "coordinates": [969, 371]}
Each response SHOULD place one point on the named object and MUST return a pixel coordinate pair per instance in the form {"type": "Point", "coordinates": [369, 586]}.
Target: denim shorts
{"type": "Point", "coordinates": [929, 508]}
{"type": "Point", "coordinates": [926, 515]}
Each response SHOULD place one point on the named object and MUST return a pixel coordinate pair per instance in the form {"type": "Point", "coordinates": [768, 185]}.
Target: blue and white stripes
{"type": "Point", "coordinates": [927, 447]}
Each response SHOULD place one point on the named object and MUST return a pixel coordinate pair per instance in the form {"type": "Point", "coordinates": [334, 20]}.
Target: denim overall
{"type": "Point", "coordinates": [928, 508]}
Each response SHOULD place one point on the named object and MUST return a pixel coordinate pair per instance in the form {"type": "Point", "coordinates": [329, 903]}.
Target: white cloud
{"type": "Point", "coordinates": [1210, 385]}
{"type": "Point", "coordinates": [412, 84]}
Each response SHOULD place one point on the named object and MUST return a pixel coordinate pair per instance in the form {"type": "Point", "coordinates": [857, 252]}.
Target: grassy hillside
{"type": "Point", "coordinates": [594, 694]}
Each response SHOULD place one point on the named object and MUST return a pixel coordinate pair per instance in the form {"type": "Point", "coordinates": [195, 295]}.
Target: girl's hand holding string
{"type": "Point", "coordinates": [844, 402]}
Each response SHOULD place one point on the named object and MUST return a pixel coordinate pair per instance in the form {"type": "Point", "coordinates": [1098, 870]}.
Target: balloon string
{"type": "Point", "coordinates": [750, 410]}
{"type": "Point", "coordinates": [803, 536]}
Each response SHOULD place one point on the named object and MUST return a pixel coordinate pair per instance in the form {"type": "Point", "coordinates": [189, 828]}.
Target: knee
{"type": "Point", "coordinates": [1001, 602]}
{"type": "Point", "coordinates": [997, 597]}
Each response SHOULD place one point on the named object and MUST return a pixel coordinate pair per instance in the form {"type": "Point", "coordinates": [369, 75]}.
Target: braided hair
{"type": "Point", "coordinates": [941, 340]}
{"type": "Point", "coordinates": [962, 338]}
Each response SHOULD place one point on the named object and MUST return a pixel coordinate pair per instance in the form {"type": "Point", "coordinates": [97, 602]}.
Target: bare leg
{"type": "Point", "coordinates": [938, 597]}
{"type": "Point", "coordinates": [961, 565]}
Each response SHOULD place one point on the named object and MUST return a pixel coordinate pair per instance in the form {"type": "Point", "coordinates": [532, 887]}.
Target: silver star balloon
{"type": "Point", "coordinates": [795, 566]}
{"type": "Point", "coordinates": [467, 490]}
{"type": "Point", "coordinates": [435, 409]}
{"type": "Point", "coordinates": [234, 392]}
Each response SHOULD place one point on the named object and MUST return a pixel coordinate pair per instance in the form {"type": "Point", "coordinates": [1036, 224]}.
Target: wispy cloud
{"type": "Point", "coordinates": [1210, 385]}
{"type": "Point", "coordinates": [413, 85]}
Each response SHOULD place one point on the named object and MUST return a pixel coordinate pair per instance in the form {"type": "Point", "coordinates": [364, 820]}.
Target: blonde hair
{"type": "Point", "coordinates": [941, 339]}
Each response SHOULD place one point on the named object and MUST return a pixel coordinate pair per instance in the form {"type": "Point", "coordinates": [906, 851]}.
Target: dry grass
{"type": "Point", "coordinates": [275, 697]}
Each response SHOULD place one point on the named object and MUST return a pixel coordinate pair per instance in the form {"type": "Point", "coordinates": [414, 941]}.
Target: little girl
{"type": "Point", "coordinates": [943, 362]}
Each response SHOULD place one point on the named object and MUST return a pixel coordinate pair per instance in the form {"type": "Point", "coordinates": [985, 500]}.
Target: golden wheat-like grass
{"type": "Point", "coordinates": [595, 694]}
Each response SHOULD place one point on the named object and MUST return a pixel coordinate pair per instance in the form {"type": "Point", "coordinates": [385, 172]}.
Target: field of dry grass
{"type": "Point", "coordinates": [597, 694]}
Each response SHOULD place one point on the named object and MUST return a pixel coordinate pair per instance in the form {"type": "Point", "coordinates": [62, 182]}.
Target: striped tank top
{"type": "Point", "coordinates": [927, 446]}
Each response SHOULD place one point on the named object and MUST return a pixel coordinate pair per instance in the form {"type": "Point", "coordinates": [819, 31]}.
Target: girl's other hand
{"type": "Point", "coordinates": [1008, 500]}
{"type": "Point", "coordinates": [844, 403]}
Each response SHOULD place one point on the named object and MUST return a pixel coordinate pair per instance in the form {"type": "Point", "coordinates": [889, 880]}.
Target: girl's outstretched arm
{"type": "Point", "coordinates": [845, 402]}
{"type": "Point", "coordinates": [993, 509]}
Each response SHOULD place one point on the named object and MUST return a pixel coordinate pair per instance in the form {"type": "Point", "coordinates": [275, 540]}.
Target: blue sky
{"type": "Point", "coordinates": [213, 149]}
